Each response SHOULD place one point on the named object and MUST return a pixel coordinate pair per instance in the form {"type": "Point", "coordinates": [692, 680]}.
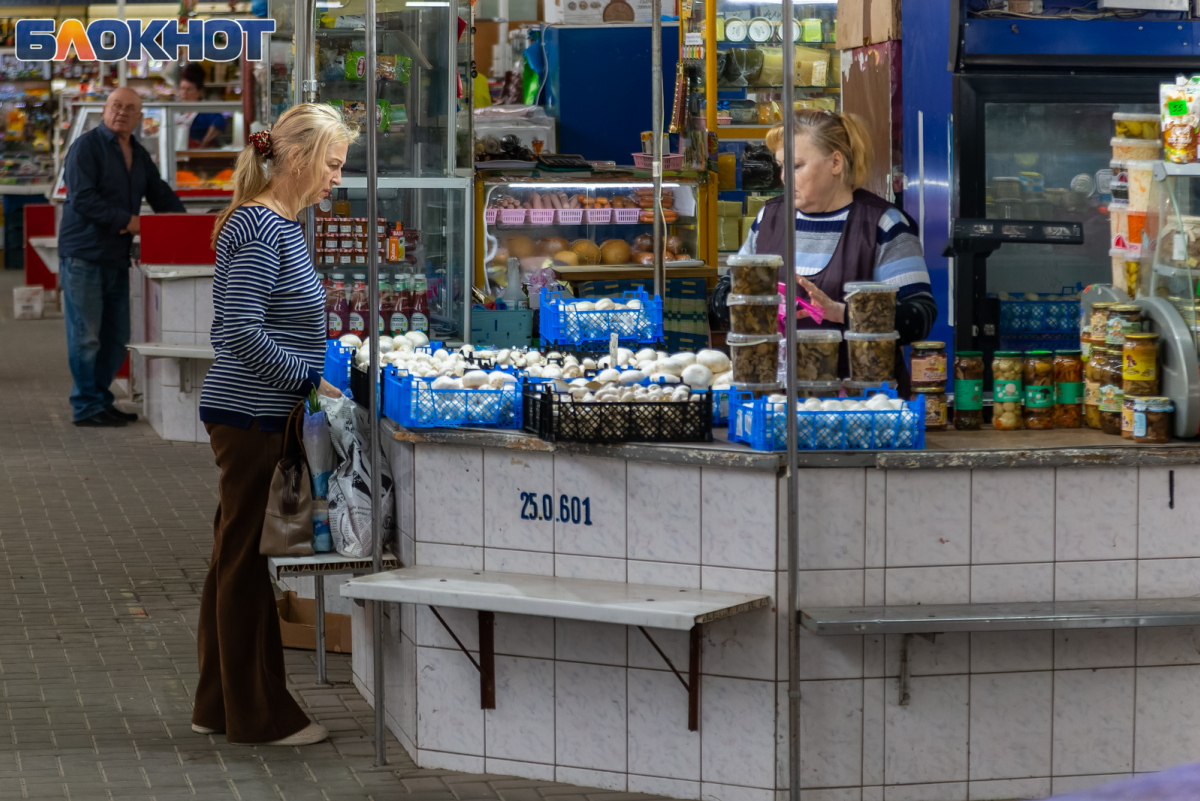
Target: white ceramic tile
{"type": "Point", "coordinates": [1167, 717]}
{"type": "Point", "coordinates": [1093, 648]}
{"type": "Point", "coordinates": [1093, 721]}
{"type": "Point", "coordinates": [997, 535]}
{"type": "Point", "coordinates": [408, 550]}
{"type": "Point", "coordinates": [663, 513]}
{"type": "Point", "coordinates": [521, 727]}
{"type": "Point", "coordinates": [1168, 645]}
{"type": "Point", "coordinates": [1095, 581]}
{"type": "Point", "coordinates": [1010, 725]}
{"type": "Point", "coordinates": [876, 518]}
{"type": "Point", "coordinates": [1168, 578]}
{"type": "Point", "coordinates": [738, 519]}
{"type": "Point", "coordinates": [928, 585]}
{"type": "Point", "coordinates": [179, 337]}
{"type": "Point", "coordinates": [675, 644]}
{"type": "Point", "coordinates": [873, 793]}
{"type": "Point", "coordinates": [585, 641]}
{"type": "Point", "coordinates": [832, 794]}
{"type": "Point", "coordinates": [928, 517]}
{"type": "Point", "coordinates": [204, 305]}
{"type": "Point", "coordinates": [1007, 789]}
{"type": "Point", "coordinates": [729, 792]}
{"type": "Point", "coordinates": [431, 633]}
{"type": "Point", "coordinates": [1012, 583]}
{"type": "Point", "coordinates": [524, 635]}
{"type": "Point", "coordinates": [826, 657]}
{"type": "Point", "coordinates": [405, 482]}
{"type": "Point", "coordinates": [533, 563]}
{"type": "Point", "coordinates": [946, 791]}
{"type": "Point", "coordinates": [525, 770]}
{"type": "Point", "coordinates": [508, 474]}
{"type": "Point", "coordinates": [165, 371]}
{"type": "Point", "coordinates": [742, 645]}
{"type": "Point", "coordinates": [1007, 651]}
{"type": "Point", "coordinates": [589, 567]}
{"type": "Point", "coordinates": [602, 482]}
{"type": "Point", "coordinates": [831, 733]}
{"type": "Point", "coordinates": [1094, 517]}
{"type": "Point", "coordinates": [433, 554]}
{"type": "Point", "coordinates": [1061, 785]}
{"type": "Point", "coordinates": [408, 688]}
{"type": "Point", "coordinates": [659, 741]}
{"type": "Point", "coordinates": [926, 741]}
{"type": "Point", "coordinates": [874, 656]}
{"type": "Point", "coordinates": [455, 519]}
{"type": "Point", "coordinates": [663, 574]}
{"type": "Point", "coordinates": [668, 788]}
{"type": "Point", "coordinates": [605, 780]}
{"type": "Point", "coordinates": [737, 717]}
{"type": "Point", "coordinates": [440, 760]}
{"type": "Point", "coordinates": [180, 411]}
{"type": "Point", "coordinates": [948, 654]}
{"type": "Point", "coordinates": [179, 305]}
{"type": "Point", "coordinates": [1164, 531]}
{"type": "Point", "coordinates": [873, 587]}
{"type": "Point", "coordinates": [829, 588]}
{"type": "Point", "coordinates": [874, 692]}
{"type": "Point", "coordinates": [590, 717]}
{"type": "Point", "coordinates": [448, 713]}
{"type": "Point", "coordinates": [834, 536]}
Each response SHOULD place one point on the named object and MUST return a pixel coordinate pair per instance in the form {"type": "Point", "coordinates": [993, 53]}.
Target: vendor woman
{"type": "Point", "coordinates": [843, 232]}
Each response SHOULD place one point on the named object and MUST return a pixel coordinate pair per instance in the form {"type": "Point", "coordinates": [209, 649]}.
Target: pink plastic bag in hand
{"type": "Point", "coordinates": [815, 312]}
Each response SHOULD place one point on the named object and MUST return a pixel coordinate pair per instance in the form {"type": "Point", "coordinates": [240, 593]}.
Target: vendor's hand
{"type": "Point", "coordinates": [834, 312]}
{"type": "Point", "coordinates": [328, 390]}
{"type": "Point", "coordinates": [134, 225]}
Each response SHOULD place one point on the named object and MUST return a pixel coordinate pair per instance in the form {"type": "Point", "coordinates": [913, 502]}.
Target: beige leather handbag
{"type": "Point", "coordinates": [288, 526]}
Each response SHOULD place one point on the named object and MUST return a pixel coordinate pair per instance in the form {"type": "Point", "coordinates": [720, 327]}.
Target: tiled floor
{"type": "Point", "coordinates": [104, 541]}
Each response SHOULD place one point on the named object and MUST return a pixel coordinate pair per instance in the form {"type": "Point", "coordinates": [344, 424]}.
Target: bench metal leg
{"type": "Point", "coordinates": [319, 594]}
{"type": "Point", "coordinates": [906, 665]}
{"type": "Point", "coordinates": [487, 655]}
{"type": "Point", "coordinates": [692, 683]}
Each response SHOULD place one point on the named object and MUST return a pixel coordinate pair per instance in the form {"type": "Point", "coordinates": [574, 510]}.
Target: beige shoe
{"type": "Point", "coordinates": [204, 730]}
{"type": "Point", "coordinates": [309, 735]}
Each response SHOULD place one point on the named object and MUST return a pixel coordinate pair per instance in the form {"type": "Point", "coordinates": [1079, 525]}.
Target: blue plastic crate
{"type": "Point", "coordinates": [337, 365]}
{"type": "Point", "coordinates": [413, 403]}
{"type": "Point", "coordinates": [763, 427]}
{"type": "Point", "coordinates": [1039, 316]}
{"type": "Point", "coordinates": [559, 324]}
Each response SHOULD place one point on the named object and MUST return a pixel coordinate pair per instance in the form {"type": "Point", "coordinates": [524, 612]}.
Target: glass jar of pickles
{"type": "Point", "coordinates": [1123, 318]}
{"type": "Point", "coordinates": [1100, 319]}
{"type": "Point", "coordinates": [929, 365]}
{"type": "Point", "coordinates": [1127, 417]}
{"type": "Point", "coordinates": [936, 415]}
{"type": "Point", "coordinates": [1007, 392]}
{"type": "Point", "coordinates": [1068, 389]}
{"type": "Point", "coordinates": [1112, 393]}
{"type": "Point", "coordinates": [1093, 378]}
{"type": "Point", "coordinates": [968, 390]}
{"type": "Point", "coordinates": [1152, 420]}
{"type": "Point", "coordinates": [1139, 365]}
{"type": "Point", "coordinates": [1039, 389]}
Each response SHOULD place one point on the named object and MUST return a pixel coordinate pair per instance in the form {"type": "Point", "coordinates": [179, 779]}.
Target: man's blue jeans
{"type": "Point", "coordinates": [96, 308]}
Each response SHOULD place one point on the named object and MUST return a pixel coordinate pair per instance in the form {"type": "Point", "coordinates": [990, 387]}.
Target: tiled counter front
{"type": "Point", "coordinates": [992, 716]}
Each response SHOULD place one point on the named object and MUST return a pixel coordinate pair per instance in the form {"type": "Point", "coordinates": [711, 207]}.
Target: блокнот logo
{"type": "Point", "coordinates": [117, 40]}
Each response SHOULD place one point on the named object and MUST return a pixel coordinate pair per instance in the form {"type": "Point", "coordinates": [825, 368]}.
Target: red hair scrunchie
{"type": "Point", "coordinates": [262, 143]}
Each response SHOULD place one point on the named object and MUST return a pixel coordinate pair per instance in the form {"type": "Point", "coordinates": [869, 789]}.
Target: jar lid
{"type": "Point", "coordinates": [357, 276]}
{"type": "Point", "coordinates": [1104, 304]}
{"type": "Point", "coordinates": [758, 387]}
{"type": "Point", "coordinates": [818, 335]}
{"type": "Point", "coordinates": [870, 287]}
{"type": "Point", "coordinates": [754, 300]}
{"type": "Point", "coordinates": [755, 260]}
{"type": "Point", "coordinates": [1117, 141]}
{"type": "Point", "coordinates": [1117, 164]}
{"type": "Point", "coordinates": [1069, 352]}
{"type": "Point", "coordinates": [862, 385]}
{"type": "Point", "coordinates": [929, 390]}
{"type": "Point", "coordinates": [970, 354]}
{"type": "Point", "coordinates": [819, 385]}
{"type": "Point", "coordinates": [1147, 337]}
{"type": "Point", "coordinates": [1123, 115]}
{"type": "Point", "coordinates": [1006, 354]}
{"type": "Point", "coordinates": [1153, 404]}
{"type": "Point", "coordinates": [1006, 180]}
{"type": "Point", "coordinates": [751, 339]}
{"type": "Point", "coordinates": [1038, 354]}
{"type": "Point", "coordinates": [853, 337]}
{"type": "Point", "coordinates": [1125, 307]}
{"type": "Point", "coordinates": [930, 345]}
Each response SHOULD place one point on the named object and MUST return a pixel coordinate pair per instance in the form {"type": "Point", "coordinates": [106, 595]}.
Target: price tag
{"type": "Point", "coordinates": [1179, 252]}
{"type": "Point", "coordinates": [693, 38]}
{"type": "Point", "coordinates": [1177, 108]}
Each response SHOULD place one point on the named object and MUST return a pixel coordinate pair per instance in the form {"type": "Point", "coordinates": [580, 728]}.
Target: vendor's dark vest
{"type": "Point", "coordinates": [853, 260]}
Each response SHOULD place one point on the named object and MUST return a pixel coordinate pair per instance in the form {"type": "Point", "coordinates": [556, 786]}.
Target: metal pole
{"type": "Point", "coordinates": [319, 595]}
{"type": "Point", "coordinates": [793, 477]}
{"type": "Point", "coordinates": [373, 400]}
{"type": "Point", "coordinates": [123, 64]}
{"type": "Point", "coordinates": [656, 124]}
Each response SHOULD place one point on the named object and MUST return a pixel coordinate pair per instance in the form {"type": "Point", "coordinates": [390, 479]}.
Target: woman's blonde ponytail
{"type": "Point", "coordinates": [250, 180]}
{"type": "Point", "coordinates": [833, 133]}
{"type": "Point", "coordinates": [862, 153]}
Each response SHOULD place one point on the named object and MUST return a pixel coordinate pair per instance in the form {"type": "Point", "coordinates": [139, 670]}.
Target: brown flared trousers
{"type": "Point", "coordinates": [243, 684]}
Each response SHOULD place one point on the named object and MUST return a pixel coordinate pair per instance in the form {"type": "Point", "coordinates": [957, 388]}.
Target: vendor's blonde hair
{"type": "Point", "coordinates": [830, 133]}
{"type": "Point", "coordinates": [299, 141]}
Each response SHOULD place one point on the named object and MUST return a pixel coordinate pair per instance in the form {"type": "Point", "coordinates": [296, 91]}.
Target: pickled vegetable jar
{"type": "Point", "coordinates": [1068, 389]}
{"type": "Point", "coordinates": [968, 390]}
{"type": "Point", "coordinates": [871, 307]}
{"type": "Point", "coordinates": [872, 356]}
{"type": "Point", "coordinates": [1139, 367]}
{"type": "Point", "coordinates": [755, 357]}
{"type": "Point", "coordinates": [1127, 417]}
{"type": "Point", "coordinates": [754, 275]}
{"type": "Point", "coordinates": [1007, 390]}
{"type": "Point", "coordinates": [818, 389]}
{"type": "Point", "coordinates": [1039, 389]}
{"type": "Point", "coordinates": [1112, 393]}
{"type": "Point", "coordinates": [754, 314]}
{"type": "Point", "coordinates": [1099, 319]}
{"type": "Point", "coordinates": [1123, 318]}
{"type": "Point", "coordinates": [817, 354]}
{"type": "Point", "coordinates": [929, 365]}
{"type": "Point", "coordinates": [1152, 419]}
{"type": "Point", "coordinates": [1093, 378]}
{"type": "Point", "coordinates": [936, 414]}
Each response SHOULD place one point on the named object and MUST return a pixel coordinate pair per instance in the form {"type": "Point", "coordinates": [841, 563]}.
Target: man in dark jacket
{"type": "Point", "coordinates": [107, 174]}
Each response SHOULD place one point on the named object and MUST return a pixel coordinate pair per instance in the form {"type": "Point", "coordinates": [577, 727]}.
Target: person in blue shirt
{"type": "Point", "coordinates": [203, 129]}
{"type": "Point", "coordinates": [107, 173]}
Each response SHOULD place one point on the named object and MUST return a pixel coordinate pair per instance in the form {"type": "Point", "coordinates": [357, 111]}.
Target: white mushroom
{"type": "Point", "coordinates": [351, 340]}
{"type": "Point", "coordinates": [475, 379]}
{"type": "Point", "coordinates": [609, 376]}
{"type": "Point", "coordinates": [714, 360]}
{"type": "Point", "coordinates": [697, 376]}
{"type": "Point", "coordinates": [418, 338]}
{"type": "Point", "coordinates": [684, 357]}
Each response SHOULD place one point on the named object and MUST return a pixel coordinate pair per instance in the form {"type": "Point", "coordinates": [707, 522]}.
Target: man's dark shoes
{"type": "Point", "coordinates": [128, 417]}
{"type": "Point", "coordinates": [101, 420]}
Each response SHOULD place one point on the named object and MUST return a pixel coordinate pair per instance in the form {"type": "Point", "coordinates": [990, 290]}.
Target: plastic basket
{"type": "Point", "coordinates": [600, 216]}
{"type": "Point", "coordinates": [513, 216]}
{"type": "Point", "coordinates": [337, 364]}
{"type": "Point", "coordinates": [570, 216]}
{"type": "Point", "coordinates": [626, 216]}
{"type": "Point", "coordinates": [501, 329]}
{"type": "Point", "coordinates": [360, 387]}
{"type": "Point", "coordinates": [670, 161]}
{"type": "Point", "coordinates": [559, 323]}
{"type": "Point", "coordinates": [1039, 316]}
{"type": "Point", "coordinates": [720, 403]}
{"type": "Point", "coordinates": [557, 417]}
{"type": "Point", "coordinates": [489, 216]}
{"type": "Point", "coordinates": [763, 426]}
{"type": "Point", "coordinates": [541, 216]}
{"type": "Point", "coordinates": [414, 403]}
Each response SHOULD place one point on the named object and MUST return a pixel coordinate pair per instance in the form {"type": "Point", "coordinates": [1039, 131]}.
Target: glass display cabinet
{"type": "Point", "coordinates": [422, 68]}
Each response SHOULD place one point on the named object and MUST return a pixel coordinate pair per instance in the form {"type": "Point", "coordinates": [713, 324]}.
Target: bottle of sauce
{"type": "Point", "coordinates": [337, 307]}
{"type": "Point", "coordinates": [359, 312]}
{"type": "Point", "coordinates": [341, 206]}
{"type": "Point", "coordinates": [419, 321]}
{"type": "Point", "coordinates": [387, 304]}
{"type": "Point", "coordinates": [403, 313]}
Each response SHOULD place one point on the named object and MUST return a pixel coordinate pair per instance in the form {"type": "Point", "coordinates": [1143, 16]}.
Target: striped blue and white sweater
{"type": "Point", "coordinates": [269, 322]}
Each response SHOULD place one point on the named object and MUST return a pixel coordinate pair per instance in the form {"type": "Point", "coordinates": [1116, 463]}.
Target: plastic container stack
{"type": "Point", "coordinates": [754, 312]}
{"type": "Point", "coordinates": [871, 336]}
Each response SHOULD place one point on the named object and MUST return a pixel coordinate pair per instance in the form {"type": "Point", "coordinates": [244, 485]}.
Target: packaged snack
{"type": "Point", "coordinates": [1178, 121]}
{"type": "Point", "coordinates": [393, 68]}
{"type": "Point", "coordinates": [356, 65]}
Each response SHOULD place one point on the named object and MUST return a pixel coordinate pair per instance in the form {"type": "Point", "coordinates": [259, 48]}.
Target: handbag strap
{"type": "Point", "coordinates": [293, 433]}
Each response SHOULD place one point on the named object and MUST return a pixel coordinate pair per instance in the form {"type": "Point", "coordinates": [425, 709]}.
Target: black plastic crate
{"type": "Point", "coordinates": [360, 386]}
{"type": "Point", "coordinates": [557, 417]}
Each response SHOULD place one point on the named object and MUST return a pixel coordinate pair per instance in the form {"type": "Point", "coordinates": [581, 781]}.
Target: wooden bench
{"type": "Point", "coordinates": [641, 605]}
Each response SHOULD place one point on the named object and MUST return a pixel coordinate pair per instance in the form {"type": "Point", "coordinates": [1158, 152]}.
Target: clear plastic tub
{"type": "Point", "coordinates": [818, 389]}
{"type": "Point", "coordinates": [817, 354]}
{"type": "Point", "coordinates": [1136, 126]}
{"type": "Point", "coordinates": [754, 275]}
{"type": "Point", "coordinates": [754, 314]}
{"type": "Point", "coordinates": [871, 307]}
{"type": "Point", "coordinates": [872, 356]}
{"type": "Point", "coordinates": [755, 358]}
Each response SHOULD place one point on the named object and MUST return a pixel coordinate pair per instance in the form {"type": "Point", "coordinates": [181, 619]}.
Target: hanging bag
{"type": "Point", "coordinates": [288, 527]}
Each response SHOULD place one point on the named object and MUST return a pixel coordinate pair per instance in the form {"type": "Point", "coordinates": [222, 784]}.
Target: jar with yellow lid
{"type": "Point", "coordinates": [1093, 378]}
{"type": "Point", "coordinates": [1100, 319]}
{"type": "Point", "coordinates": [1152, 420]}
{"type": "Point", "coordinates": [936, 414]}
{"type": "Point", "coordinates": [1123, 319]}
{"type": "Point", "coordinates": [929, 366]}
{"type": "Point", "coordinates": [1139, 365]}
{"type": "Point", "coordinates": [1127, 417]}
{"type": "Point", "coordinates": [1112, 393]}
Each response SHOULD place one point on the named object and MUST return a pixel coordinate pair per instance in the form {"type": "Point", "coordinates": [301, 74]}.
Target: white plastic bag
{"type": "Point", "coordinates": [350, 483]}
{"type": "Point", "coordinates": [318, 448]}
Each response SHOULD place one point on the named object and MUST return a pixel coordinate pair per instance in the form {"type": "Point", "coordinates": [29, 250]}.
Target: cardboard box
{"type": "Point", "coordinates": [298, 625]}
{"type": "Point", "coordinates": [28, 302]}
{"type": "Point", "coordinates": [865, 22]}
